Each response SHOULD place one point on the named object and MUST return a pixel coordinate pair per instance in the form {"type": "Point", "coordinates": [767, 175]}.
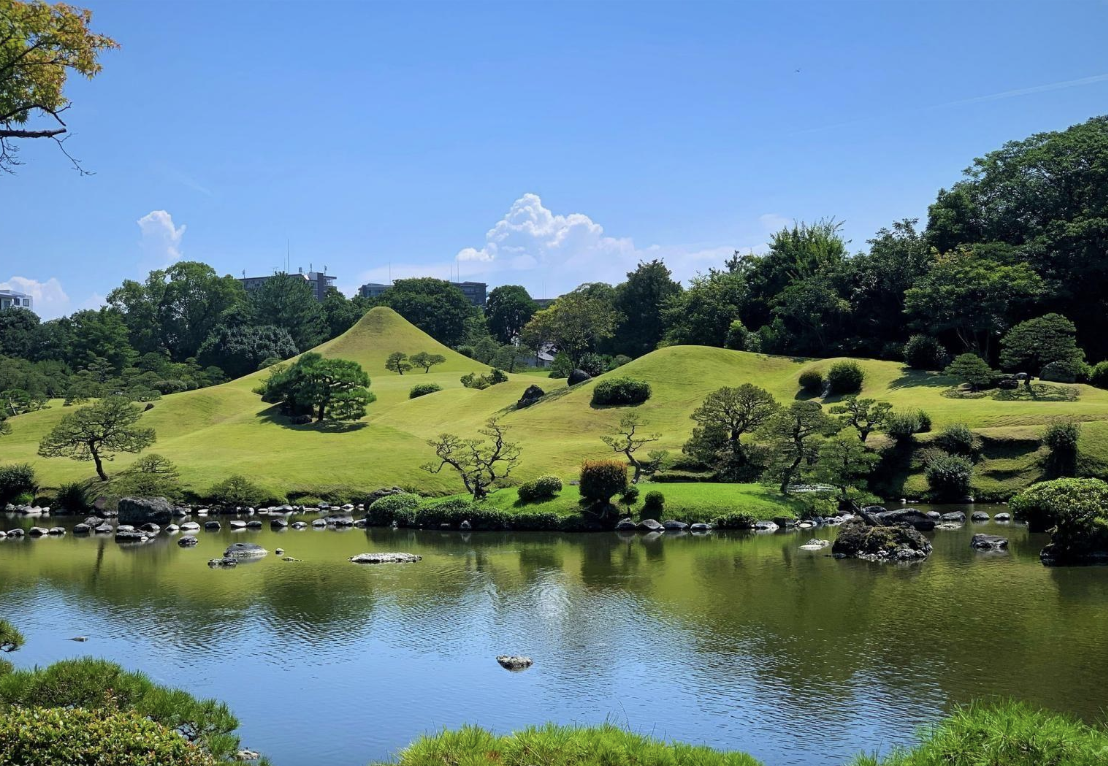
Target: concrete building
{"type": "Point", "coordinates": [12, 299]}
{"type": "Point", "coordinates": [319, 281]}
{"type": "Point", "coordinates": [475, 292]}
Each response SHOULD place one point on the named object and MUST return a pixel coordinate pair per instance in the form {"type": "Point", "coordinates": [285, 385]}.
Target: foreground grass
{"type": "Point", "coordinates": [561, 746]}
{"type": "Point", "coordinates": [1002, 734]}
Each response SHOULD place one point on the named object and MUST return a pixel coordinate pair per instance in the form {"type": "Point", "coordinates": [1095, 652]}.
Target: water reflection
{"type": "Point", "coordinates": [732, 639]}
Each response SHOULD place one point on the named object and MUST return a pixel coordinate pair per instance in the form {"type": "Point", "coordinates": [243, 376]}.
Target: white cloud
{"type": "Point", "coordinates": [161, 240]}
{"type": "Point", "coordinates": [49, 298]}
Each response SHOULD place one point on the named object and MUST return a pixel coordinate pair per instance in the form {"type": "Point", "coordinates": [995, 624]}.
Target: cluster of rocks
{"type": "Point", "coordinates": [874, 536]}
{"type": "Point", "coordinates": [385, 558]}
{"type": "Point", "coordinates": [237, 552]}
{"type": "Point", "coordinates": [669, 525]}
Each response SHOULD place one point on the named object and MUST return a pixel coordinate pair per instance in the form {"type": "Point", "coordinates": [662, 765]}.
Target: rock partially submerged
{"type": "Point", "coordinates": [514, 662]}
{"type": "Point", "coordinates": [860, 539]}
{"type": "Point", "coordinates": [244, 551]}
{"type": "Point", "coordinates": [989, 542]}
{"type": "Point", "coordinates": [917, 519]}
{"type": "Point", "coordinates": [139, 510]}
{"type": "Point", "coordinates": [386, 558]}
{"type": "Point", "coordinates": [650, 525]}
{"type": "Point", "coordinates": [223, 563]}
{"type": "Point", "coordinates": [187, 541]}
{"type": "Point", "coordinates": [815, 545]}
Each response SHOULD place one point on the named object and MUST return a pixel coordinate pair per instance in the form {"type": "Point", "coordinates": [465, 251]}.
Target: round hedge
{"type": "Point", "coordinates": [620, 391]}
{"type": "Point", "coordinates": [845, 377]}
{"type": "Point", "coordinates": [812, 382]}
{"type": "Point", "coordinates": [400, 508]}
{"type": "Point", "coordinates": [422, 389]}
{"type": "Point", "coordinates": [542, 488]}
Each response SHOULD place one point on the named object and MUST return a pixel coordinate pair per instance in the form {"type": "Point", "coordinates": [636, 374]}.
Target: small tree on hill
{"type": "Point", "coordinates": [793, 435]}
{"type": "Point", "coordinates": [844, 463]}
{"type": "Point", "coordinates": [398, 363]}
{"type": "Point", "coordinates": [865, 415]}
{"type": "Point", "coordinates": [724, 416]}
{"type": "Point", "coordinates": [424, 360]}
{"type": "Point", "coordinates": [627, 440]}
{"type": "Point", "coordinates": [97, 432]}
{"type": "Point", "coordinates": [328, 389]}
{"type": "Point", "coordinates": [480, 463]}
{"type": "Point", "coordinates": [971, 369]}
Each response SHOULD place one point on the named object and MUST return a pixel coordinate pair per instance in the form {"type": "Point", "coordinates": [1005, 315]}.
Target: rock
{"type": "Point", "coordinates": [278, 523]}
{"type": "Point", "coordinates": [244, 551]}
{"type": "Point", "coordinates": [1008, 383]}
{"type": "Point", "coordinates": [187, 541]}
{"type": "Point", "coordinates": [81, 529]}
{"type": "Point", "coordinates": [56, 531]}
{"type": "Point", "coordinates": [361, 523]}
{"type": "Point", "coordinates": [130, 536]}
{"type": "Point", "coordinates": [139, 510]}
{"type": "Point", "coordinates": [300, 420]}
{"type": "Point", "coordinates": [948, 525]}
{"type": "Point", "coordinates": [979, 516]}
{"type": "Point", "coordinates": [700, 526]}
{"type": "Point", "coordinates": [934, 515]}
{"type": "Point", "coordinates": [38, 532]}
{"type": "Point", "coordinates": [386, 558]}
{"type": "Point", "coordinates": [956, 517]}
{"type": "Point", "coordinates": [339, 521]}
{"type": "Point", "coordinates": [319, 523]}
{"type": "Point", "coordinates": [578, 376]}
{"type": "Point", "coordinates": [530, 396]}
{"type": "Point", "coordinates": [79, 639]}
{"type": "Point", "coordinates": [465, 526]}
{"type": "Point", "coordinates": [299, 525]}
{"type": "Point", "coordinates": [15, 533]}
{"type": "Point", "coordinates": [649, 525]}
{"type": "Point", "coordinates": [989, 542]}
{"type": "Point", "coordinates": [246, 755]}
{"type": "Point", "coordinates": [881, 543]}
{"type": "Point", "coordinates": [917, 519]}
{"type": "Point", "coordinates": [1002, 517]}
{"type": "Point", "coordinates": [279, 551]}
{"type": "Point", "coordinates": [236, 524]}
{"type": "Point", "coordinates": [765, 526]}
{"type": "Point", "coordinates": [625, 525]}
{"type": "Point", "coordinates": [212, 525]}
{"type": "Point", "coordinates": [104, 529]}
{"type": "Point", "coordinates": [815, 545]}
{"type": "Point", "coordinates": [224, 563]}
{"type": "Point", "coordinates": [253, 524]}
{"type": "Point", "coordinates": [3, 534]}
{"type": "Point", "coordinates": [150, 528]}
{"type": "Point", "coordinates": [190, 526]}
{"type": "Point", "coordinates": [514, 662]}
{"type": "Point", "coordinates": [672, 525]}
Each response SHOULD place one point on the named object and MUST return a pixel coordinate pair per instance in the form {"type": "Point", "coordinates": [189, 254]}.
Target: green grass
{"type": "Point", "coordinates": [551, 745]}
{"type": "Point", "coordinates": [10, 638]}
{"type": "Point", "coordinates": [1002, 734]}
{"type": "Point", "coordinates": [218, 431]}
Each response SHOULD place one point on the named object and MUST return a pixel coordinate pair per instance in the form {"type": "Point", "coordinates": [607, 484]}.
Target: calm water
{"type": "Point", "coordinates": [732, 640]}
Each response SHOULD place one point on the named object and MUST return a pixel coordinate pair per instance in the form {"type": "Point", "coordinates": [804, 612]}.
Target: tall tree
{"type": "Point", "coordinates": [1034, 344]}
{"type": "Point", "coordinates": [702, 315]}
{"type": "Point", "coordinates": [641, 300]}
{"type": "Point", "coordinates": [19, 330]}
{"type": "Point", "coordinates": [508, 309]}
{"type": "Point", "coordinates": [792, 437]}
{"type": "Point", "coordinates": [101, 335]}
{"type": "Point", "coordinates": [433, 305]}
{"type": "Point", "coordinates": [341, 313]}
{"type": "Point", "coordinates": [287, 301]}
{"type": "Point", "coordinates": [240, 351]}
{"type": "Point", "coordinates": [40, 46]}
{"type": "Point", "coordinates": [97, 432]}
{"type": "Point", "coordinates": [328, 389]}
{"type": "Point", "coordinates": [575, 324]}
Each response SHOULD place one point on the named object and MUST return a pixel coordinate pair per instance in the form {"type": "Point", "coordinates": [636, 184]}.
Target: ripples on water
{"type": "Point", "coordinates": [734, 640]}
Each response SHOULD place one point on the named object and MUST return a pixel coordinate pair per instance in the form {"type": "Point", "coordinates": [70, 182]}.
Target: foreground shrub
{"type": "Point", "coordinates": [542, 488]}
{"type": "Point", "coordinates": [653, 503]}
{"type": "Point", "coordinates": [845, 377]}
{"type": "Point", "coordinates": [422, 389]}
{"type": "Point", "coordinates": [922, 352]}
{"type": "Point", "coordinates": [734, 520]}
{"type": "Point", "coordinates": [1077, 509]}
{"type": "Point", "coordinates": [958, 439]}
{"type": "Point", "coordinates": [10, 638]}
{"type": "Point", "coordinates": [399, 508]}
{"type": "Point", "coordinates": [1002, 734]}
{"type": "Point", "coordinates": [736, 338]}
{"type": "Point", "coordinates": [600, 479]}
{"type": "Point", "coordinates": [552, 745]}
{"type": "Point", "coordinates": [74, 497]}
{"type": "Point", "coordinates": [811, 382]}
{"type": "Point", "coordinates": [949, 476]}
{"type": "Point", "coordinates": [902, 425]}
{"type": "Point", "coordinates": [1098, 375]}
{"type": "Point", "coordinates": [1061, 438]}
{"type": "Point", "coordinates": [16, 479]}
{"type": "Point", "coordinates": [239, 491]}
{"type": "Point", "coordinates": [63, 737]}
{"type": "Point", "coordinates": [93, 684]}
{"type": "Point", "coordinates": [620, 391]}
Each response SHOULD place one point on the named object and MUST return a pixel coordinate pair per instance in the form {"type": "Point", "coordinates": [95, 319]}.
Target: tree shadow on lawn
{"type": "Point", "coordinates": [910, 378]}
{"type": "Point", "coordinates": [273, 415]}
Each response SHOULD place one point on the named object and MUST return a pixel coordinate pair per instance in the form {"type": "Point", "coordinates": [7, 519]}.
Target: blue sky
{"type": "Point", "coordinates": [543, 144]}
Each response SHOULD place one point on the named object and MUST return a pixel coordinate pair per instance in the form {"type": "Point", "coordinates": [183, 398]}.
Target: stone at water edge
{"type": "Point", "coordinates": [920, 521]}
{"type": "Point", "coordinates": [672, 525]}
{"type": "Point", "coordinates": [139, 510]}
{"type": "Point", "coordinates": [187, 541]}
{"type": "Point", "coordinates": [956, 517]}
{"type": "Point", "coordinates": [1002, 517]}
{"type": "Point", "coordinates": [81, 529]}
{"type": "Point", "coordinates": [247, 755]}
{"type": "Point", "coordinates": [385, 558]}
{"type": "Point", "coordinates": [700, 526]}
{"type": "Point", "coordinates": [514, 662]}
{"type": "Point", "coordinates": [224, 563]}
{"type": "Point", "coordinates": [212, 525]}
{"type": "Point", "coordinates": [989, 542]}
{"type": "Point", "coordinates": [765, 526]}
{"type": "Point", "coordinates": [815, 545]}
{"type": "Point", "coordinates": [650, 525]}
{"type": "Point", "coordinates": [880, 543]}
{"type": "Point", "coordinates": [625, 525]}
{"type": "Point", "coordinates": [244, 551]}
{"type": "Point", "coordinates": [979, 516]}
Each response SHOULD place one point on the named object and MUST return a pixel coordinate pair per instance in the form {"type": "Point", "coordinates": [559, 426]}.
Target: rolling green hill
{"type": "Point", "coordinates": [214, 432]}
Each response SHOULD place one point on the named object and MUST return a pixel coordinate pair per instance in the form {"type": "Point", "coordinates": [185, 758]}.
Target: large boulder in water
{"type": "Point", "coordinates": [385, 558]}
{"type": "Point", "coordinates": [989, 542]}
{"type": "Point", "coordinates": [578, 376]}
{"type": "Point", "coordinates": [140, 510]}
{"type": "Point", "coordinates": [530, 396]}
{"type": "Point", "coordinates": [244, 551]}
{"type": "Point", "coordinates": [859, 540]}
{"type": "Point", "coordinates": [911, 516]}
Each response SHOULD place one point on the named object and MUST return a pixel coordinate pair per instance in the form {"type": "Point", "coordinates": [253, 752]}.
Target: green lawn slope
{"type": "Point", "coordinates": [214, 432]}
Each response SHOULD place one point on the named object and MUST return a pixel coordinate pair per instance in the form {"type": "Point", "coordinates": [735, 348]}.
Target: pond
{"type": "Point", "coordinates": [735, 640]}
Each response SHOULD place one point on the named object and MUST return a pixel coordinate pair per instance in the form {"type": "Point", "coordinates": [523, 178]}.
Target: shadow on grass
{"type": "Point", "coordinates": [910, 378]}
{"type": "Point", "coordinates": [273, 415]}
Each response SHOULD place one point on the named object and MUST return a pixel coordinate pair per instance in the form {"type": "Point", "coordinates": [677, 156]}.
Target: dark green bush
{"type": "Point", "coordinates": [629, 496]}
{"type": "Point", "coordinates": [1066, 371]}
{"type": "Point", "coordinates": [593, 364]}
{"type": "Point", "coordinates": [150, 476]}
{"type": "Point", "coordinates": [400, 508]}
{"type": "Point", "coordinates": [811, 381]}
{"type": "Point", "coordinates": [949, 476]}
{"type": "Point", "coordinates": [922, 352]}
{"type": "Point", "coordinates": [235, 491]}
{"type": "Point", "coordinates": [496, 375]}
{"type": "Point", "coordinates": [1077, 507]}
{"type": "Point", "coordinates": [1098, 375]}
{"type": "Point", "coordinates": [736, 338]}
{"type": "Point", "coordinates": [542, 488]}
{"type": "Point", "coordinates": [77, 737]}
{"type": "Point", "coordinates": [1061, 438]}
{"type": "Point", "coordinates": [10, 638]}
{"type": "Point", "coordinates": [654, 502]}
{"type": "Point", "coordinates": [16, 479]}
{"type": "Point", "coordinates": [734, 520]}
{"type": "Point", "coordinates": [74, 496]}
{"type": "Point", "coordinates": [422, 389]}
{"type": "Point", "coordinates": [620, 391]}
{"type": "Point", "coordinates": [901, 425]}
{"type": "Point", "coordinates": [92, 684]}
{"type": "Point", "coordinates": [845, 377]}
{"type": "Point", "coordinates": [600, 479]}
{"type": "Point", "coordinates": [924, 421]}
{"type": "Point", "coordinates": [958, 439]}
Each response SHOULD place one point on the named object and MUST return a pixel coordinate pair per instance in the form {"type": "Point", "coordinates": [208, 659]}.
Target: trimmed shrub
{"type": "Point", "coordinates": [422, 389]}
{"type": "Point", "coordinates": [77, 737]}
{"type": "Point", "coordinates": [924, 421]}
{"type": "Point", "coordinates": [811, 381]}
{"type": "Point", "coordinates": [496, 375]}
{"type": "Point", "coordinates": [620, 391]}
{"type": "Point", "coordinates": [562, 365]}
{"type": "Point", "coordinates": [958, 439]}
{"type": "Point", "coordinates": [237, 491]}
{"type": "Point", "coordinates": [16, 479]}
{"type": "Point", "coordinates": [734, 520]}
{"type": "Point", "coordinates": [903, 424]}
{"type": "Point", "coordinates": [1075, 503]}
{"type": "Point", "coordinates": [845, 377]}
{"type": "Point", "coordinates": [949, 476]}
{"type": "Point", "coordinates": [1065, 371]}
{"type": "Point", "coordinates": [600, 479]}
{"type": "Point", "coordinates": [592, 363]}
{"type": "Point", "coordinates": [922, 352]}
{"type": "Point", "coordinates": [629, 496]}
{"type": "Point", "coordinates": [1098, 375]}
{"type": "Point", "coordinates": [542, 488]}
{"type": "Point", "coordinates": [654, 502]}
{"type": "Point", "coordinates": [400, 508]}
{"type": "Point", "coordinates": [736, 337]}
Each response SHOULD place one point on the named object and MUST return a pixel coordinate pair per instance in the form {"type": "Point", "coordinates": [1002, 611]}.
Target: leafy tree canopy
{"type": "Point", "coordinates": [508, 309]}
{"type": "Point", "coordinates": [433, 305]}
{"type": "Point", "coordinates": [97, 432]}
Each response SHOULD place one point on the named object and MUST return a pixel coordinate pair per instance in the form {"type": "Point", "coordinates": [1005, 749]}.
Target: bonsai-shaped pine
{"type": "Point", "coordinates": [845, 464]}
{"type": "Point", "coordinates": [480, 463]}
{"type": "Point", "coordinates": [397, 362]}
{"type": "Point", "coordinates": [627, 440]}
{"type": "Point", "coordinates": [722, 419]}
{"type": "Point", "coordinates": [971, 369]}
{"type": "Point", "coordinates": [792, 435]}
{"type": "Point", "coordinates": [425, 360]}
{"type": "Point", "coordinates": [329, 389]}
{"type": "Point", "coordinates": [865, 415]}
{"type": "Point", "coordinates": [97, 432]}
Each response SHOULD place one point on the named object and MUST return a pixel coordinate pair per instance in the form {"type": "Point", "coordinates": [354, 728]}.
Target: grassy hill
{"type": "Point", "coordinates": [214, 432]}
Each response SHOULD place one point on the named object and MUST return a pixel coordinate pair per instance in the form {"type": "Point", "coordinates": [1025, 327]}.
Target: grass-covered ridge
{"type": "Point", "coordinates": [214, 432]}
